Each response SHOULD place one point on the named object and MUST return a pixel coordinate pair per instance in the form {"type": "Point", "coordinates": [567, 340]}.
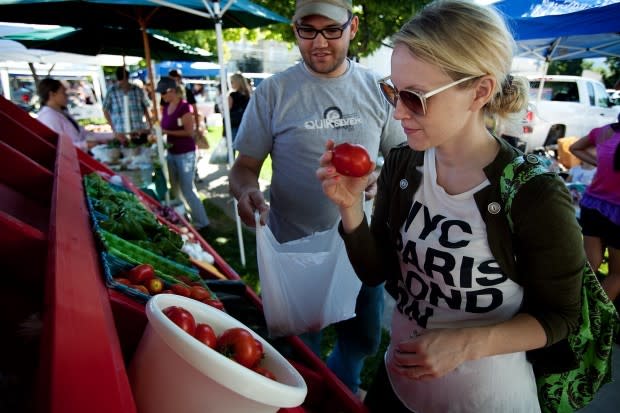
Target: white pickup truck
{"type": "Point", "coordinates": [568, 106]}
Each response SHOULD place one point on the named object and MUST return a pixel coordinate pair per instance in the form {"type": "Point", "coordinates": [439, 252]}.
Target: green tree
{"type": "Point", "coordinates": [613, 73]}
{"type": "Point", "coordinates": [250, 64]}
{"type": "Point", "coordinates": [569, 67]}
{"type": "Point", "coordinates": [379, 19]}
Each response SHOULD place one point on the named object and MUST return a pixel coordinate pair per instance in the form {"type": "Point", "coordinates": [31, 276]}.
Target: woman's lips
{"type": "Point", "coordinates": [409, 131]}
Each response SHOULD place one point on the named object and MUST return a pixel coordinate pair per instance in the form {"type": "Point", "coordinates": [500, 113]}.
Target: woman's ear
{"type": "Point", "coordinates": [484, 91]}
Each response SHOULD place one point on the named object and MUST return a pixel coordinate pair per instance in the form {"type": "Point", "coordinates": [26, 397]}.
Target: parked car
{"type": "Point", "coordinates": [565, 106]}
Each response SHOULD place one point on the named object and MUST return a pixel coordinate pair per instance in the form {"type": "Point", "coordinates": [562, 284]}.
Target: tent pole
{"type": "Point", "coordinates": [541, 85]}
{"type": "Point", "coordinates": [156, 125]}
{"type": "Point", "coordinates": [226, 112]}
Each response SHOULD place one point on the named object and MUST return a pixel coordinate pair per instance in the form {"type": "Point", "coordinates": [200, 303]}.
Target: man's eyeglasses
{"type": "Point", "coordinates": [329, 33]}
{"type": "Point", "coordinates": [414, 101]}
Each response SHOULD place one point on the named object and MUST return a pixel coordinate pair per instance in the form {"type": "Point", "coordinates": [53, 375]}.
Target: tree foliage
{"type": "Point", "coordinates": [613, 73]}
{"type": "Point", "coordinates": [379, 19]}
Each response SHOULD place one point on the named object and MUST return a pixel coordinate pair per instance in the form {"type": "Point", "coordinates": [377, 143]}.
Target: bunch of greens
{"type": "Point", "coordinates": [123, 215]}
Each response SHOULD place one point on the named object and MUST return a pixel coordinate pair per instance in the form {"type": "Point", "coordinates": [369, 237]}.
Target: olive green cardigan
{"type": "Point", "coordinates": [545, 254]}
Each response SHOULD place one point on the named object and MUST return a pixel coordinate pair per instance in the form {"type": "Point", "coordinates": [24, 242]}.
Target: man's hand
{"type": "Point", "coordinates": [121, 137]}
{"type": "Point", "coordinates": [250, 201]}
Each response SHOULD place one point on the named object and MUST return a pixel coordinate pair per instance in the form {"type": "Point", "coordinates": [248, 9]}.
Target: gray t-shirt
{"type": "Point", "coordinates": [290, 117]}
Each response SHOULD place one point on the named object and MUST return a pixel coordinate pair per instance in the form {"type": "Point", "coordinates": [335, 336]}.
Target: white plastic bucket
{"type": "Point", "coordinates": [172, 372]}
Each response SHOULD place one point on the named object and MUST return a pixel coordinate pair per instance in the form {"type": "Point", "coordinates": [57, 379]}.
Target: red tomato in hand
{"type": "Point", "coordinates": [265, 372]}
{"type": "Point", "coordinates": [205, 334]}
{"type": "Point", "coordinates": [181, 317]}
{"type": "Point", "coordinates": [351, 159]}
{"type": "Point", "coordinates": [141, 273]}
{"type": "Point", "coordinates": [240, 345]}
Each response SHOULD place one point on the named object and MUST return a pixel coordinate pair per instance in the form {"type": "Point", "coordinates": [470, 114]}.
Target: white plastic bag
{"type": "Point", "coordinates": [306, 284]}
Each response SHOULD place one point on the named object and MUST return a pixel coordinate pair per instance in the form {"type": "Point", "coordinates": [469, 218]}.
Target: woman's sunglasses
{"type": "Point", "coordinates": [414, 101]}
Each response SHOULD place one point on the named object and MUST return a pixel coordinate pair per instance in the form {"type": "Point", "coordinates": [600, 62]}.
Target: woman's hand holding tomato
{"type": "Point", "coordinates": [344, 191]}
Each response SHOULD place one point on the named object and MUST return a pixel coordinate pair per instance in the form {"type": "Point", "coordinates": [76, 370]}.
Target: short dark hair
{"type": "Point", "coordinates": [122, 73]}
{"type": "Point", "coordinates": [47, 86]}
{"type": "Point", "coordinates": [175, 73]}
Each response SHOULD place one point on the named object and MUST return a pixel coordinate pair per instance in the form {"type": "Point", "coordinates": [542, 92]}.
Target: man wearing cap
{"type": "Point", "coordinates": [290, 118]}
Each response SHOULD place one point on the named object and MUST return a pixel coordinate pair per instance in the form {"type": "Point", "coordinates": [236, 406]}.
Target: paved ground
{"type": "Point", "coordinates": [214, 186]}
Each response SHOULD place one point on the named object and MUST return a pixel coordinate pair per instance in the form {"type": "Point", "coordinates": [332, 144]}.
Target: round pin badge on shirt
{"type": "Point", "coordinates": [494, 208]}
{"type": "Point", "coordinates": [403, 184]}
{"type": "Point", "coordinates": [533, 159]}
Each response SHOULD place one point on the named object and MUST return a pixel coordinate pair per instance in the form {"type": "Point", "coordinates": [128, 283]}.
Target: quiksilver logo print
{"type": "Point", "coordinates": [333, 119]}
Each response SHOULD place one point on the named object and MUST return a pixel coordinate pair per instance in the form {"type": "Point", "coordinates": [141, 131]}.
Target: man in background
{"type": "Point", "coordinates": [126, 109]}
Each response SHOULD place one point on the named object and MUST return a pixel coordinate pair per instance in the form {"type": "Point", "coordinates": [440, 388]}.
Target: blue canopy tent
{"type": "Point", "coordinates": [188, 69]}
{"type": "Point", "coordinates": [564, 29]}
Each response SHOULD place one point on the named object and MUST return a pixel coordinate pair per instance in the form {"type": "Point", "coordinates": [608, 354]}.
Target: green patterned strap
{"type": "Point", "coordinates": [518, 172]}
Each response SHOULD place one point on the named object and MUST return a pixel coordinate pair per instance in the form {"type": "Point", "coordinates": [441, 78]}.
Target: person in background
{"type": "Point", "coordinates": [53, 114]}
{"type": "Point", "coordinates": [199, 92]}
{"type": "Point", "coordinates": [189, 97]}
{"type": "Point", "coordinates": [600, 205]}
{"type": "Point", "coordinates": [139, 120]}
{"type": "Point", "coordinates": [472, 296]}
{"type": "Point", "coordinates": [177, 123]}
{"type": "Point", "coordinates": [238, 100]}
{"type": "Point", "coordinates": [290, 117]}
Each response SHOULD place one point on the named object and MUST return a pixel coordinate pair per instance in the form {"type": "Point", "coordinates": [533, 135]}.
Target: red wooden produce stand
{"type": "Point", "coordinates": [76, 361]}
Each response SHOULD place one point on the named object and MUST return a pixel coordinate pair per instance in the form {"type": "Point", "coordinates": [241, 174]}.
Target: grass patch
{"type": "Point", "coordinates": [214, 134]}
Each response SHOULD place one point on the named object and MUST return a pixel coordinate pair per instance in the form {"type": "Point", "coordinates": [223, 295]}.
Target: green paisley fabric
{"type": "Point", "coordinates": [593, 341]}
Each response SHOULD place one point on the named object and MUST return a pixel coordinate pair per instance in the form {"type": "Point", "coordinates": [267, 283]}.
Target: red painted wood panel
{"type": "Point", "coordinates": [25, 175]}
{"type": "Point", "coordinates": [15, 204]}
{"type": "Point", "coordinates": [27, 124]}
{"type": "Point", "coordinates": [86, 367]}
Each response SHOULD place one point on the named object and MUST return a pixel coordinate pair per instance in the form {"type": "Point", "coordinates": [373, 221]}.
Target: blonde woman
{"type": "Point", "coordinates": [238, 100]}
{"type": "Point", "coordinates": [472, 297]}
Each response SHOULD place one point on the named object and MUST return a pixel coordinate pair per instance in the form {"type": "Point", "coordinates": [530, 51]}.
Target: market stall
{"type": "Point", "coordinates": [76, 358]}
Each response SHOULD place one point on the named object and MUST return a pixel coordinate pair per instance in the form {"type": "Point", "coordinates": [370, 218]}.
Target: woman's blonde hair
{"type": "Point", "coordinates": [467, 39]}
{"type": "Point", "coordinates": [243, 86]}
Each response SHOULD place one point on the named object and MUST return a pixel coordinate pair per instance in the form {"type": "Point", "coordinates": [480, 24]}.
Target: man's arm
{"type": "Point", "coordinates": [243, 183]}
{"type": "Point", "coordinates": [120, 136]}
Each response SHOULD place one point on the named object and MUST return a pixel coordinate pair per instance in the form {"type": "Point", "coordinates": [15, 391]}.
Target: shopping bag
{"type": "Point", "coordinates": [591, 344]}
{"type": "Point", "coordinates": [306, 284]}
{"type": "Point", "coordinates": [220, 152]}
